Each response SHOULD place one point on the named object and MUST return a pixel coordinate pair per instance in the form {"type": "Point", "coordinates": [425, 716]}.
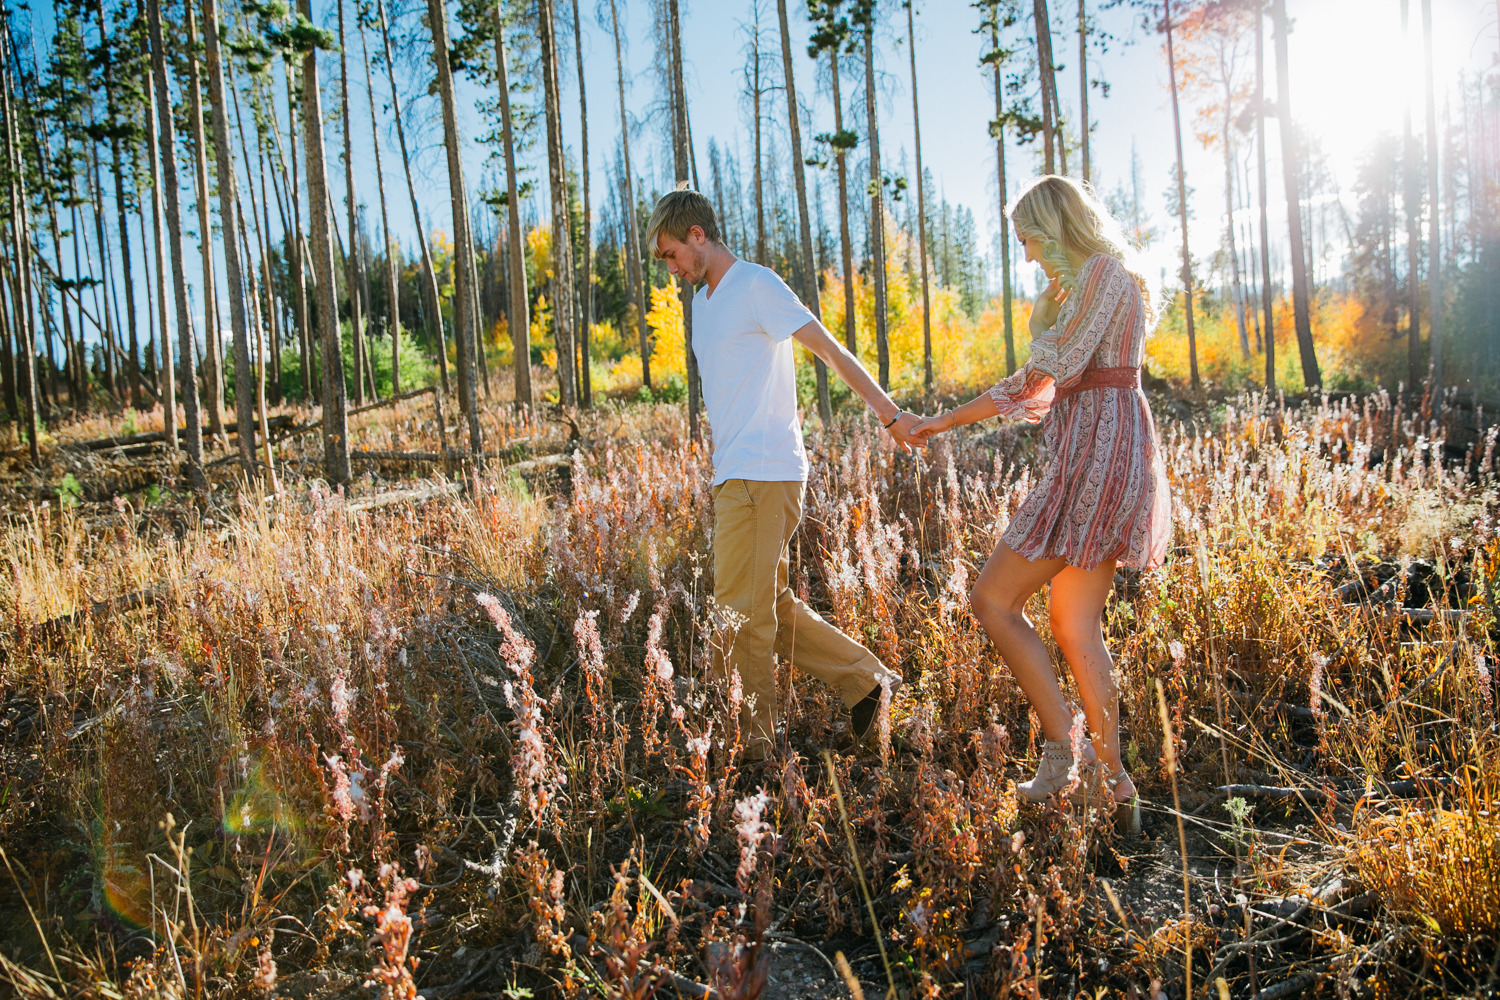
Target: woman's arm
{"type": "Point", "coordinates": [972, 412]}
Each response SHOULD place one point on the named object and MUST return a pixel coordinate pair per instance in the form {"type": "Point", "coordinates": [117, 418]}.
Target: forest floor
{"type": "Point", "coordinates": [455, 733]}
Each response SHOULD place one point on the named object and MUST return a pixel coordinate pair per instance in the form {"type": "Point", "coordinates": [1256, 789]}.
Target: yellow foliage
{"type": "Point", "coordinates": [668, 356]}
{"type": "Point", "coordinates": [539, 245]}
{"type": "Point", "coordinates": [541, 322]}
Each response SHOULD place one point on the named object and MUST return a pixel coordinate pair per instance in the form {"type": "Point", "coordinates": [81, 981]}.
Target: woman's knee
{"type": "Point", "coordinates": [1075, 633]}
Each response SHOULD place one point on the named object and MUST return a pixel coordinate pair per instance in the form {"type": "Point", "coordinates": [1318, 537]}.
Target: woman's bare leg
{"type": "Point", "coordinates": [998, 600]}
{"type": "Point", "coordinates": [1076, 607]}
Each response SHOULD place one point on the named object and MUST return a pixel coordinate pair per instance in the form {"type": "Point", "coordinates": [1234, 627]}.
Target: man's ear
{"type": "Point", "coordinates": [697, 231]}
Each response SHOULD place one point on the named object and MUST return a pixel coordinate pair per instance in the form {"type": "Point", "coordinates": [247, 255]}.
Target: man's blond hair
{"type": "Point", "coordinates": [678, 212]}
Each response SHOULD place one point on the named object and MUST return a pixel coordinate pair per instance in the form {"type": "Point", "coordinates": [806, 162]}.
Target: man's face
{"type": "Point", "coordinates": [687, 259]}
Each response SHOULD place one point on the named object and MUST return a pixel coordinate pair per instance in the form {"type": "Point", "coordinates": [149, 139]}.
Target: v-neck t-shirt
{"type": "Point", "coordinates": [742, 338]}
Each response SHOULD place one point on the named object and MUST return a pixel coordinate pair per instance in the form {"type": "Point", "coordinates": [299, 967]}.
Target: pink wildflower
{"type": "Point", "coordinates": [343, 802]}
{"type": "Point", "coordinates": [1486, 687]}
{"type": "Point", "coordinates": [1315, 685]}
{"type": "Point", "coordinates": [751, 829]}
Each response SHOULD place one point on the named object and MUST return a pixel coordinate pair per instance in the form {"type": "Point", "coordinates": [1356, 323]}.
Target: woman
{"type": "Point", "coordinates": [1103, 501]}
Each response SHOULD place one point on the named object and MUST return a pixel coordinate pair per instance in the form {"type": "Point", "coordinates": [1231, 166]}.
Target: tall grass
{"type": "Point", "coordinates": [482, 728]}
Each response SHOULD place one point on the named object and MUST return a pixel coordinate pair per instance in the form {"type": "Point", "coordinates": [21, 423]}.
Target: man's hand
{"type": "Point", "coordinates": [901, 430]}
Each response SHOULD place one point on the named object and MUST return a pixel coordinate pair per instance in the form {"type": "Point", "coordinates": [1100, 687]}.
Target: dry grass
{"type": "Point", "coordinates": [478, 730]}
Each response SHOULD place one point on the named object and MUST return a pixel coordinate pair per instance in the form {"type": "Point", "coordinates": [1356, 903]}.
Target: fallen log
{"type": "Point", "coordinates": [1407, 789]}
{"type": "Point", "coordinates": [388, 401]}
{"type": "Point", "coordinates": [153, 437]}
{"type": "Point", "coordinates": [419, 495]}
{"type": "Point", "coordinates": [105, 609]}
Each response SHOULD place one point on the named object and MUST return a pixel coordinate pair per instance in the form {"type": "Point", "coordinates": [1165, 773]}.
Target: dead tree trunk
{"type": "Point", "coordinates": [877, 208]}
{"type": "Point", "coordinates": [463, 293]}
{"type": "Point", "coordinates": [562, 249]}
{"type": "Point", "coordinates": [165, 371]}
{"type": "Point", "coordinates": [632, 225]}
{"type": "Point", "coordinates": [393, 276]}
{"type": "Point", "coordinates": [997, 129]}
{"type": "Point", "coordinates": [809, 267]}
{"type": "Point", "coordinates": [212, 345]}
{"type": "Point", "coordinates": [335, 407]}
{"type": "Point", "coordinates": [916, 117]}
{"type": "Point", "coordinates": [1301, 294]}
{"type": "Point", "coordinates": [586, 292]}
{"type": "Point", "coordinates": [519, 313]}
{"type": "Point", "coordinates": [429, 272]}
{"type": "Point", "coordinates": [229, 199]}
{"type": "Point", "coordinates": [1182, 207]}
{"type": "Point", "coordinates": [167, 149]}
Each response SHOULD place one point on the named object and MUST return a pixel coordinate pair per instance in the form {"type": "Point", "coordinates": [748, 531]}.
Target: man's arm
{"type": "Point", "coordinates": [817, 339]}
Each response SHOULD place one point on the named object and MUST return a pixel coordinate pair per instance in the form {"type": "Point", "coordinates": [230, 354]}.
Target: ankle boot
{"type": "Point", "coordinates": [1053, 770]}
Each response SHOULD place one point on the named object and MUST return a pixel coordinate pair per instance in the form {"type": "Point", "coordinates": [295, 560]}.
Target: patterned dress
{"type": "Point", "coordinates": [1104, 495]}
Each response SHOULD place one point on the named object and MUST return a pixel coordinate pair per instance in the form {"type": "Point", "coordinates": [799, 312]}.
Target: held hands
{"type": "Point", "coordinates": [1044, 310]}
{"type": "Point", "coordinates": [928, 426]}
{"type": "Point", "coordinates": [901, 430]}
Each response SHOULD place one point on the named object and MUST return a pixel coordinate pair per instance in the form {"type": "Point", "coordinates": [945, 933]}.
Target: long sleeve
{"type": "Point", "coordinates": [1060, 355]}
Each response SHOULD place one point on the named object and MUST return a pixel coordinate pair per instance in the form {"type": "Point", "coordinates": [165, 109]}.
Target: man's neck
{"type": "Point", "coordinates": [720, 260]}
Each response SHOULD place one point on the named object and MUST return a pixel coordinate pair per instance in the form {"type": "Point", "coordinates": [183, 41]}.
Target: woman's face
{"type": "Point", "coordinates": [1033, 248]}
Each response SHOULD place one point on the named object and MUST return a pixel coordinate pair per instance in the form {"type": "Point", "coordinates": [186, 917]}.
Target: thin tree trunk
{"type": "Point", "coordinates": [1265, 228]}
{"type": "Point", "coordinates": [335, 410]}
{"type": "Point", "coordinates": [234, 271]}
{"type": "Point", "coordinates": [8, 351]}
{"type": "Point", "coordinates": [998, 129]}
{"type": "Point", "coordinates": [70, 363]}
{"type": "Point", "coordinates": [435, 302]}
{"type": "Point", "coordinates": [166, 148]}
{"type": "Point", "coordinates": [633, 252]}
{"type": "Point", "coordinates": [809, 269]}
{"type": "Point", "coordinates": [165, 370]}
{"type": "Point", "coordinates": [1300, 292]}
{"type": "Point", "coordinates": [212, 344]}
{"type": "Point", "coordinates": [557, 175]}
{"type": "Point", "coordinates": [351, 204]}
{"type": "Point", "coordinates": [477, 311]}
{"type": "Point", "coordinates": [133, 373]}
{"type": "Point", "coordinates": [1050, 116]}
{"type": "Point", "coordinates": [586, 292]}
{"type": "Point", "coordinates": [1234, 254]}
{"type": "Point", "coordinates": [306, 338]}
{"type": "Point", "coordinates": [21, 240]}
{"type": "Point", "coordinates": [916, 117]}
{"type": "Point", "coordinates": [518, 315]}
{"type": "Point", "coordinates": [846, 245]}
{"type": "Point", "coordinates": [1182, 208]}
{"type": "Point", "coordinates": [682, 159]}
{"type": "Point", "coordinates": [877, 209]}
{"type": "Point", "coordinates": [263, 247]}
{"type": "Point", "coordinates": [760, 209]}
{"type": "Point", "coordinates": [107, 328]}
{"type": "Point", "coordinates": [1412, 189]}
{"type": "Point", "coordinates": [393, 277]}
{"type": "Point", "coordinates": [260, 360]}
{"type": "Point", "coordinates": [463, 293]}
{"type": "Point", "coordinates": [1434, 233]}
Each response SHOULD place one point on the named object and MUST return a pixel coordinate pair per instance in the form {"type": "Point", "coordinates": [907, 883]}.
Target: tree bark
{"type": "Point", "coordinates": [1434, 233]}
{"type": "Point", "coordinates": [846, 245]}
{"type": "Point", "coordinates": [1182, 207]}
{"type": "Point", "coordinates": [335, 406]}
{"type": "Point", "coordinates": [916, 117]}
{"type": "Point", "coordinates": [1083, 89]}
{"type": "Point", "coordinates": [809, 268]}
{"type": "Point", "coordinates": [1234, 254]}
{"type": "Point", "coordinates": [998, 128]}
{"type": "Point", "coordinates": [133, 372]}
{"type": "Point", "coordinates": [20, 273]}
{"type": "Point", "coordinates": [877, 208]}
{"type": "Point", "coordinates": [562, 248]}
{"type": "Point", "coordinates": [393, 277]}
{"type": "Point", "coordinates": [586, 293]}
{"type": "Point", "coordinates": [633, 251]}
{"type": "Point", "coordinates": [682, 159]}
{"type": "Point", "coordinates": [463, 293]}
{"type": "Point", "coordinates": [229, 199]}
{"type": "Point", "coordinates": [1412, 191]}
{"type": "Point", "coordinates": [518, 314]}
{"type": "Point", "coordinates": [1300, 292]}
{"type": "Point", "coordinates": [352, 280]}
{"type": "Point", "coordinates": [1050, 120]}
{"type": "Point", "coordinates": [166, 367]}
{"type": "Point", "coordinates": [429, 270]}
{"type": "Point", "coordinates": [213, 346]}
{"type": "Point", "coordinates": [756, 91]}
{"type": "Point", "coordinates": [1265, 228]}
{"type": "Point", "coordinates": [166, 147]}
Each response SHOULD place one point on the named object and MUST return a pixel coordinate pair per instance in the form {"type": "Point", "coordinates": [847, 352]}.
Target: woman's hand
{"type": "Point", "coordinates": [928, 426]}
{"type": "Point", "coordinates": [1045, 309]}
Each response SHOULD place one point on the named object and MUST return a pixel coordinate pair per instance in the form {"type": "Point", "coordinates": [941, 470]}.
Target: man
{"type": "Point", "coordinates": [744, 321]}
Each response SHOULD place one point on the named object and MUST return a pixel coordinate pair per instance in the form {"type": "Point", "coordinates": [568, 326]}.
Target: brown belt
{"type": "Point", "coordinates": [1102, 378]}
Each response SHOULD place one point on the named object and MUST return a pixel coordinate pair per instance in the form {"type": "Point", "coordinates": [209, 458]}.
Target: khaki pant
{"type": "Point", "coordinates": [753, 524]}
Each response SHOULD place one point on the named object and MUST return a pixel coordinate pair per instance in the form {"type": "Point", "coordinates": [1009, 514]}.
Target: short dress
{"type": "Point", "coordinates": [1104, 494]}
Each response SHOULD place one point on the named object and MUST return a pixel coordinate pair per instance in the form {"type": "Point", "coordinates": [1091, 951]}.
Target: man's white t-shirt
{"type": "Point", "coordinates": [742, 338]}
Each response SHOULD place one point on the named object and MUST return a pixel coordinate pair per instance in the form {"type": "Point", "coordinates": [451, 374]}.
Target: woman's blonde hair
{"type": "Point", "coordinates": [1066, 215]}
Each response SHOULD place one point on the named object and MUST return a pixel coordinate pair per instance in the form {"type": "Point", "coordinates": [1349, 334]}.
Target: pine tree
{"type": "Point", "coordinates": [1301, 294]}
